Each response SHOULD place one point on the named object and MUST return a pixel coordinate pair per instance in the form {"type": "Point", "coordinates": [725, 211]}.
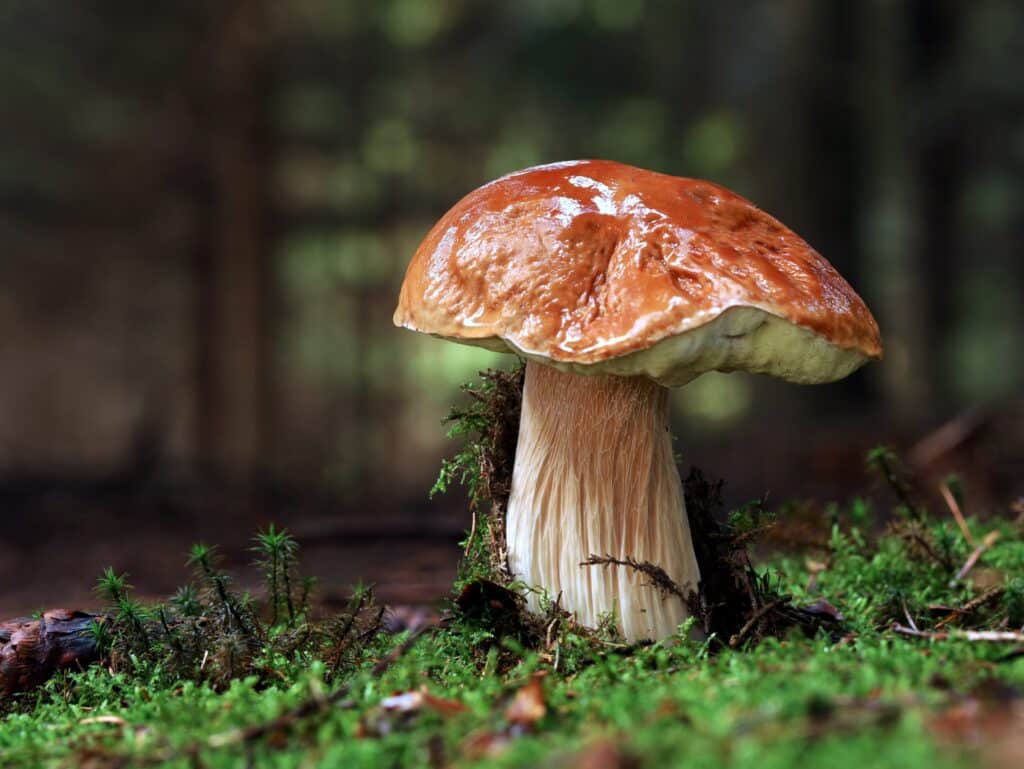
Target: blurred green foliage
{"type": "Point", "coordinates": [888, 134]}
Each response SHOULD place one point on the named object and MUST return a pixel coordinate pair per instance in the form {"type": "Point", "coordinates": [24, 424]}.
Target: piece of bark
{"type": "Point", "coordinates": [32, 650]}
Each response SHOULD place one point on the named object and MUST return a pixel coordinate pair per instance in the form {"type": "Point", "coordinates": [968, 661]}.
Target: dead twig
{"type": "Point", "coordinates": [658, 577]}
{"type": "Point", "coordinates": [906, 613]}
{"type": "Point", "coordinates": [954, 508]}
{"type": "Point", "coordinates": [949, 437]}
{"type": "Point", "coordinates": [990, 539]}
{"type": "Point", "coordinates": [915, 535]}
{"type": "Point", "coordinates": [976, 636]}
{"type": "Point", "coordinates": [756, 617]}
{"type": "Point", "coordinates": [927, 547]}
{"type": "Point", "coordinates": [887, 465]}
{"type": "Point", "coordinates": [971, 605]}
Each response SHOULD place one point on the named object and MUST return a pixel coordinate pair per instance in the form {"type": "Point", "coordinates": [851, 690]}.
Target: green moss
{"type": "Point", "coordinates": [866, 697]}
{"type": "Point", "coordinates": [809, 701]}
{"type": "Point", "coordinates": [488, 426]}
{"type": "Point", "coordinates": [209, 633]}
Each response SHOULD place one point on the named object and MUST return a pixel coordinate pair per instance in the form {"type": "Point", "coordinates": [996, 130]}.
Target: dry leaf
{"type": "Point", "coordinates": [603, 755]}
{"type": "Point", "coordinates": [443, 706]}
{"type": "Point", "coordinates": [822, 609]}
{"type": "Point", "coordinates": [528, 706]}
{"type": "Point", "coordinates": [485, 744]}
{"type": "Point", "coordinates": [419, 699]}
{"type": "Point", "coordinates": [398, 710]}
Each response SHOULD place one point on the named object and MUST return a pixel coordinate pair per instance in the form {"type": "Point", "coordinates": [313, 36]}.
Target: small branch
{"type": "Point", "coordinates": [472, 533]}
{"type": "Point", "coordinates": [990, 539]}
{"type": "Point", "coordinates": [971, 605]}
{"type": "Point", "coordinates": [976, 636]}
{"type": "Point", "coordinates": [925, 545]}
{"type": "Point", "coordinates": [756, 617]}
{"type": "Point", "coordinates": [954, 508]}
{"type": "Point", "coordinates": [906, 613]}
{"type": "Point", "coordinates": [950, 436]}
{"type": "Point", "coordinates": [658, 577]}
{"type": "Point", "coordinates": [886, 463]}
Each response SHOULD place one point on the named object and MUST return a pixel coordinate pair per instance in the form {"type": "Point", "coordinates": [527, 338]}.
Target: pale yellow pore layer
{"type": "Point", "coordinates": [594, 474]}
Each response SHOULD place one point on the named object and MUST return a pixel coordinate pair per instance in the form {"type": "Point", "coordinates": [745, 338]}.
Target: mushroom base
{"type": "Point", "coordinates": [594, 474]}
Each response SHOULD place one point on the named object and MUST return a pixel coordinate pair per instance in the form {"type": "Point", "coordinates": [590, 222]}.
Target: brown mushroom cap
{"type": "Point", "coordinates": [600, 267]}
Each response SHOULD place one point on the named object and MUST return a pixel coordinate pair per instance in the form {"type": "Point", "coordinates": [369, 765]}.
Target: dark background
{"type": "Point", "coordinates": [206, 209]}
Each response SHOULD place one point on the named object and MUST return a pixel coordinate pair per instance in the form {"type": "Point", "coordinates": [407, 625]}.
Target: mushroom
{"type": "Point", "coordinates": [614, 284]}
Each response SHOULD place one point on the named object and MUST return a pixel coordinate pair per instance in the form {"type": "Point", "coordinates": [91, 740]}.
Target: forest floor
{"type": "Point", "coordinates": [908, 677]}
{"type": "Point", "coordinates": [864, 637]}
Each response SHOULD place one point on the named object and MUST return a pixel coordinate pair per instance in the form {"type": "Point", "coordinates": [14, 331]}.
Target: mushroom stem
{"type": "Point", "coordinates": [594, 475]}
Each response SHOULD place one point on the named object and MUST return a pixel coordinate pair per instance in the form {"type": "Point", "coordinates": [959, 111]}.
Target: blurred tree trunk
{"type": "Point", "coordinates": [233, 270]}
{"type": "Point", "coordinates": [891, 227]}
{"type": "Point", "coordinates": [806, 164]}
{"type": "Point", "coordinates": [942, 152]}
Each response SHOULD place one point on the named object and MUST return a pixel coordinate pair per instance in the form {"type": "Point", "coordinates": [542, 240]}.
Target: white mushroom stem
{"type": "Point", "coordinates": [594, 475]}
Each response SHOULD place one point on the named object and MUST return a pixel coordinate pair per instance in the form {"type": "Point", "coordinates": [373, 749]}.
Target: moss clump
{"type": "Point", "coordinates": [489, 686]}
{"type": "Point", "coordinates": [871, 698]}
{"type": "Point", "coordinates": [489, 428]}
{"type": "Point", "coordinates": [210, 633]}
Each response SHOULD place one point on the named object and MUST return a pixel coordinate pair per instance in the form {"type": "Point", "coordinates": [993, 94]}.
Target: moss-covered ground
{"type": "Point", "coordinates": [869, 697]}
{"type": "Point", "coordinates": [215, 680]}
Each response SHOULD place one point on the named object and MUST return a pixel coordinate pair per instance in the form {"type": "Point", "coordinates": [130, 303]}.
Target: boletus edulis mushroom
{"type": "Point", "coordinates": [614, 284]}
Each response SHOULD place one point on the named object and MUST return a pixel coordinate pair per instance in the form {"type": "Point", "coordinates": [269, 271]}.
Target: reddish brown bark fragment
{"type": "Point", "coordinates": [32, 650]}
